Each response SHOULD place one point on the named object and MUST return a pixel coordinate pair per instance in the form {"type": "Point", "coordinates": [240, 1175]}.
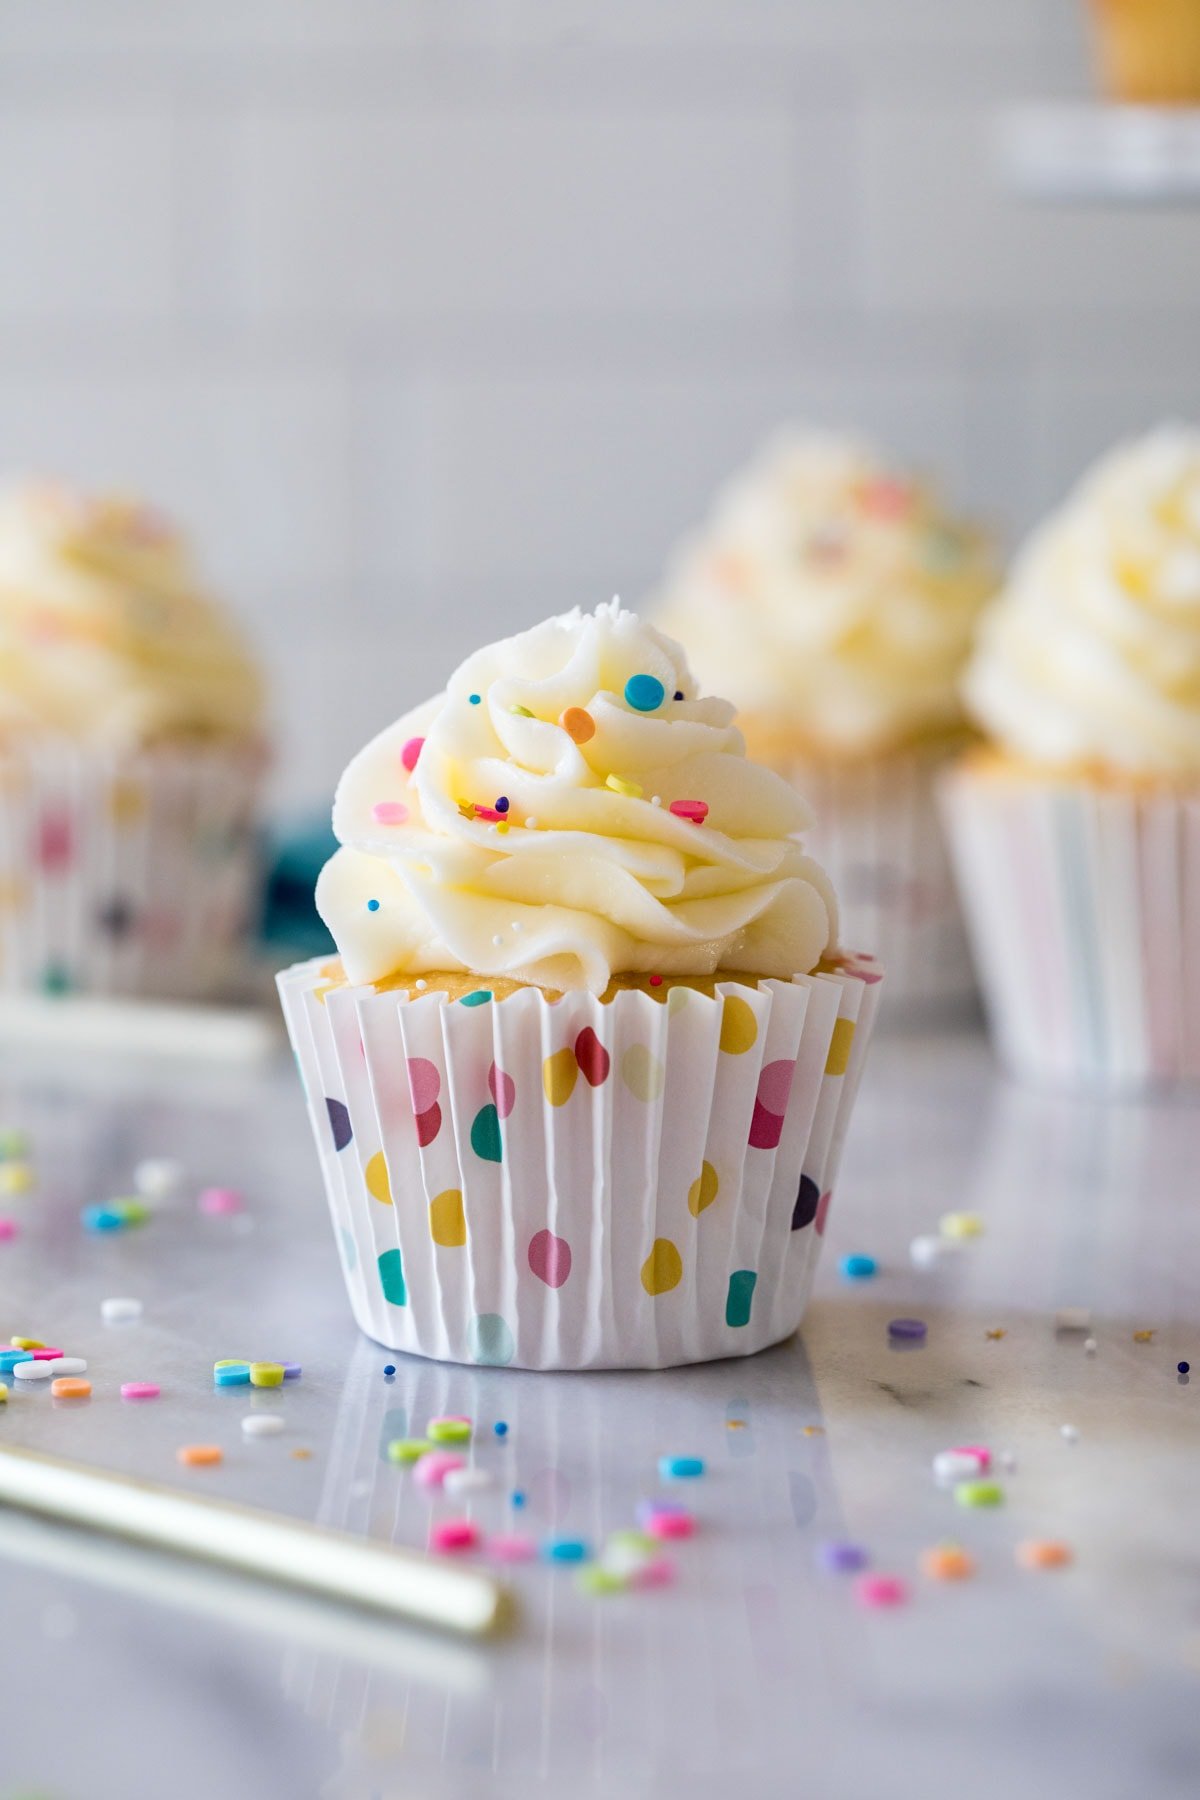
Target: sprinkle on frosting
{"type": "Point", "coordinates": [607, 883]}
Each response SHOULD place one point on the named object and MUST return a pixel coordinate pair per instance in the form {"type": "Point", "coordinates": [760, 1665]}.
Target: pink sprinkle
{"type": "Point", "coordinates": [659, 1571]}
{"type": "Point", "coordinates": [410, 753]}
{"type": "Point", "coordinates": [219, 1200]}
{"type": "Point", "coordinates": [656, 981]}
{"type": "Point", "coordinates": [980, 1452]}
{"type": "Point", "coordinates": [432, 1468]}
{"type": "Point", "coordinates": [140, 1390]}
{"type": "Point", "coordinates": [880, 1590]}
{"type": "Point", "coordinates": [695, 810]}
{"type": "Point", "coordinates": [488, 812]}
{"type": "Point", "coordinates": [454, 1535]}
{"type": "Point", "coordinates": [390, 812]}
{"type": "Point", "coordinates": [8, 1230]}
{"type": "Point", "coordinates": [511, 1546]}
{"type": "Point", "coordinates": [47, 1355]}
{"type": "Point", "coordinates": [675, 1523]}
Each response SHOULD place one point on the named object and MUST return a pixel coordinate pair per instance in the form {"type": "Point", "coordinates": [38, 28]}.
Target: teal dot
{"type": "Point", "coordinates": [645, 693]}
{"type": "Point", "coordinates": [372, 906]}
{"type": "Point", "coordinates": [391, 1276]}
{"type": "Point", "coordinates": [741, 1293]}
{"type": "Point", "coordinates": [480, 998]}
{"type": "Point", "coordinates": [56, 980]}
{"type": "Point", "coordinates": [490, 1340]}
{"type": "Point", "coordinates": [485, 1135]}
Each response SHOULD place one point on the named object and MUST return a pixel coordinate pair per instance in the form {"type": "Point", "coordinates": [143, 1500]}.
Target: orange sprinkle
{"type": "Point", "coordinates": [947, 1562]}
{"type": "Point", "coordinates": [578, 724]}
{"type": "Point", "coordinates": [996, 1333]}
{"type": "Point", "coordinates": [1143, 1337]}
{"type": "Point", "coordinates": [70, 1387]}
{"type": "Point", "coordinates": [814, 1431]}
{"type": "Point", "coordinates": [199, 1456]}
{"type": "Point", "coordinates": [735, 1424]}
{"type": "Point", "coordinates": [302, 1455]}
{"type": "Point", "coordinates": [1043, 1553]}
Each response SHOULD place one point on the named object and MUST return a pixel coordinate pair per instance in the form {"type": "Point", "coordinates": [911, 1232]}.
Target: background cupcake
{"type": "Point", "coordinates": [1148, 51]}
{"type": "Point", "coordinates": [834, 601]}
{"type": "Point", "coordinates": [1077, 835]}
{"type": "Point", "coordinates": [580, 1079]}
{"type": "Point", "coordinates": [131, 756]}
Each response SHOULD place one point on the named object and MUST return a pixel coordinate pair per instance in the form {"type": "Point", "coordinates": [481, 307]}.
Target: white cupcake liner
{"type": "Point", "coordinates": [577, 1185]}
{"type": "Point", "coordinates": [133, 874]}
{"type": "Point", "coordinates": [1083, 904]}
{"type": "Point", "coordinates": [879, 835]}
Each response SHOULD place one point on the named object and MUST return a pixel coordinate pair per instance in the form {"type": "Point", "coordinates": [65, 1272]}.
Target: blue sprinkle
{"type": "Point", "coordinates": [389, 1368]}
{"type": "Point", "coordinates": [500, 1428]}
{"type": "Point", "coordinates": [518, 1498]}
{"type": "Point", "coordinates": [502, 803]}
{"type": "Point", "coordinates": [645, 693]}
{"type": "Point", "coordinates": [372, 906]}
{"type": "Point", "coordinates": [102, 1218]}
{"type": "Point", "coordinates": [859, 1268]}
{"type": "Point", "coordinates": [570, 1550]}
{"type": "Point", "coordinates": [680, 1468]}
{"type": "Point", "coordinates": [1183, 1367]}
{"type": "Point", "coordinates": [232, 1375]}
{"type": "Point", "coordinates": [679, 693]}
{"type": "Point", "coordinates": [474, 699]}
{"type": "Point", "coordinates": [479, 998]}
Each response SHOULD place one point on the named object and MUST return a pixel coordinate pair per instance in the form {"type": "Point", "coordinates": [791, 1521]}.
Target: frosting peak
{"type": "Point", "coordinates": [571, 809]}
{"type": "Point", "coordinates": [1092, 653]}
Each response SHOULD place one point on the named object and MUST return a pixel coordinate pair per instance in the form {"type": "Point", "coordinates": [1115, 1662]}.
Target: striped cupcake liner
{"type": "Point", "coordinates": [135, 874]}
{"type": "Point", "coordinates": [1083, 905]}
{"type": "Point", "coordinates": [573, 1185]}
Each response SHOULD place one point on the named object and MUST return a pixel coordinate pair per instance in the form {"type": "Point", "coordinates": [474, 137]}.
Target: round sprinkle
{"type": "Point", "coordinates": [292, 1371]}
{"type": "Point", "coordinates": [951, 1466]}
{"type": "Point", "coordinates": [32, 1371]}
{"type": "Point", "coordinates": [1090, 1346]}
{"type": "Point", "coordinates": [500, 1428]}
{"type": "Point", "coordinates": [421, 986]}
{"type": "Point", "coordinates": [645, 693]}
{"type": "Point", "coordinates": [13, 1144]}
{"type": "Point", "coordinates": [578, 724]}
{"type": "Point", "coordinates": [433, 1468]}
{"type": "Point", "coordinates": [451, 1536]}
{"type": "Point", "coordinates": [474, 699]}
{"type": "Point", "coordinates": [926, 1252]}
{"type": "Point", "coordinates": [859, 1268]}
{"type": "Point", "coordinates": [842, 1558]}
{"type": "Point", "coordinates": [216, 1200]}
{"type": "Point", "coordinates": [408, 1450]}
{"type": "Point", "coordinates": [389, 1368]}
{"type": "Point", "coordinates": [565, 1549]}
{"type": "Point", "coordinates": [26, 1343]}
{"type": "Point", "coordinates": [1069, 1433]}
{"type": "Point", "coordinates": [266, 1374]}
{"type": "Point", "coordinates": [979, 1493]}
{"type": "Point", "coordinates": [678, 694]}
{"type": "Point", "coordinates": [231, 1374]}
{"type": "Point", "coordinates": [411, 751]}
{"type": "Point", "coordinates": [656, 799]}
{"type": "Point", "coordinates": [46, 1353]}
{"type": "Point", "coordinates": [497, 939]}
{"type": "Point", "coordinates": [468, 1481]}
{"type": "Point", "coordinates": [531, 824]}
{"type": "Point", "coordinates": [8, 1230]}
{"type": "Point", "coordinates": [71, 1387]}
{"type": "Point", "coordinates": [3, 1392]}
{"type": "Point", "coordinates": [907, 1328]}
{"type": "Point", "coordinates": [262, 1425]}
{"type": "Point", "coordinates": [961, 1225]}
{"type": "Point", "coordinates": [947, 1562]}
{"type": "Point", "coordinates": [372, 906]}
{"type": "Point", "coordinates": [680, 1468]}
{"type": "Point", "coordinates": [877, 1591]}
{"type": "Point", "coordinates": [102, 1218]}
{"type": "Point", "coordinates": [1042, 1553]}
{"type": "Point", "coordinates": [10, 1358]}
{"type": "Point", "coordinates": [618, 785]}
{"type": "Point", "coordinates": [598, 1581]}
{"type": "Point", "coordinates": [503, 803]}
{"type": "Point", "coordinates": [694, 810]}
{"type": "Point", "coordinates": [511, 1547]}
{"type": "Point", "coordinates": [140, 1390]}
{"type": "Point", "coordinates": [656, 981]}
{"type": "Point", "coordinates": [449, 1431]}
{"type": "Point", "coordinates": [119, 1311]}
{"type": "Point", "coordinates": [68, 1365]}
{"type": "Point", "coordinates": [131, 1212]}
{"type": "Point", "coordinates": [518, 1498]}
{"type": "Point", "coordinates": [669, 1522]}
{"type": "Point", "coordinates": [389, 812]}
{"type": "Point", "coordinates": [1183, 1367]}
{"type": "Point", "coordinates": [658, 1572]}
{"type": "Point", "coordinates": [15, 1178]}
{"type": "Point", "coordinates": [199, 1456]}
{"type": "Point", "coordinates": [158, 1177]}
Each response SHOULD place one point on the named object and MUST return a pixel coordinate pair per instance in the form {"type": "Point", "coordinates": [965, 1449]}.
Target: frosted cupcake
{"type": "Point", "coordinates": [834, 601]}
{"type": "Point", "coordinates": [1077, 834]}
{"type": "Point", "coordinates": [580, 1077]}
{"type": "Point", "coordinates": [131, 754]}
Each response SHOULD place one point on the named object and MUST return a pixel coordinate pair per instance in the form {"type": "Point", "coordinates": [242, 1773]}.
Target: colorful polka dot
{"type": "Point", "coordinates": [559, 1075]}
{"type": "Point", "coordinates": [770, 1106]}
{"type": "Point", "coordinates": [642, 1073]}
{"type": "Point", "coordinates": [448, 1220]}
{"type": "Point", "coordinates": [807, 1201]}
{"type": "Point", "coordinates": [593, 1059]}
{"type": "Point", "coordinates": [391, 1277]}
{"type": "Point", "coordinates": [740, 1297]}
{"type": "Point", "coordinates": [663, 1268]}
{"type": "Point", "coordinates": [490, 1341]}
{"type": "Point", "coordinates": [549, 1258]}
{"type": "Point", "coordinates": [349, 1250]}
{"type": "Point", "coordinates": [739, 1027]}
{"type": "Point", "coordinates": [703, 1190]}
{"type": "Point", "coordinates": [503, 1090]}
{"type": "Point", "coordinates": [424, 1082]}
{"type": "Point", "coordinates": [485, 1135]}
{"type": "Point", "coordinates": [376, 1176]}
{"type": "Point", "coordinates": [645, 693]}
{"type": "Point", "coordinates": [339, 1123]}
{"type": "Point", "coordinates": [55, 842]}
{"type": "Point", "coordinates": [411, 751]}
{"type": "Point", "coordinates": [838, 1060]}
{"type": "Point", "coordinates": [428, 1124]}
{"type": "Point", "coordinates": [822, 1212]}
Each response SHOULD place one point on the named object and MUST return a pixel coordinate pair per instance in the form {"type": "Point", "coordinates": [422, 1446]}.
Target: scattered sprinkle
{"type": "Point", "coordinates": [432, 1468]}
{"type": "Point", "coordinates": [474, 699]}
{"type": "Point", "coordinates": [1183, 1367]}
{"type": "Point", "coordinates": [67, 1365]}
{"type": "Point", "coordinates": [656, 981]}
{"type": "Point", "coordinates": [735, 1424]}
{"type": "Point", "coordinates": [668, 1522]}
{"type": "Point", "coordinates": [8, 1230]}
{"type": "Point", "coordinates": [120, 1311]}
{"type": "Point", "coordinates": [620, 786]}
{"type": "Point", "coordinates": [962, 1464]}
{"type": "Point", "coordinates": [450, 1536]}
{"type": "Point", "coordinates": [659, 1571]}
{"type": "Point", "coordinates": [1090, 1346]}
{"type": "Point", "coordinates": [262, 1425]}
{"type": "Point", "coordinates": [925, 1252]}
{"type": "Point", "coordinates": [511, 1547]}
{"type": "Point", "coordinates": [656, 799]}
{"type": "Point", "coordinates": [1069, 1433]}
{"type": "Point", "coordinates": [599, 1581]}
{"type": "Point", "coordinates": [15, 1178]}
{"type": "Point", "coordinates": [390, 812]}
{"type": "Point", "coordinates": [680, 1468]}
{"type": "Point", "coordinates": [678, 694]}
{"type": "Point", "coordinates": [1073, 1318]}
{"type": "Point", "coordinates": [266, 1374]}
{"type": "Point", "coordinates": [645, 693]}
{"type": "Point", "coordinates": [1143, 1337]}
{"type": "Point", "coordinates": [995, 1333]}
{"type": "Point", "coordinates": [71, 1387]}
{"type": "Point", "coordinates": [961, 1225]}
{"type": "Point", "coordinates": [947, 1562]}
{"type": "Point", "coordinates": [158, 1177]}
{"type": "Point", "coordinates": [1042, 1553]}
{"type": "Point", "coordinates": [695, 810]}
{"type": "Point", "coordinates": [301, 1455]}
{"type": "Point", "coordinates": [449, 1430]}
{"type": "Point", "coordinates": [531, 824]}
{"type": "Point", "coordinates": [500, 1428]}
{"type": "Point", "coordinates": [470, 1480]}
{"type": "Point", "coordinates": [578, 724]}
{"type": "Point", "coordinates": [199, 1456]}
{"type": "Point", "coordinates": [842, 1558]}
{"type": "Point", "coordinates": [217, 1200]}
{"type": "Point", "coordinates": [859, 1268]}
{"type": "Point", "coordinates": [102, 1218]}
{"type": "Point", "coordinates": [26, 1343]}
{"type": "Point", "coordinates": [421, 985]}
{"type": "Point", "coordinates": [813, 1430]}
{"type": "Point", "coordinates": [907, 1328]}
{"type": "Point", "coordinates": [880, 1590]}
{"type": "Point", "coordinates": [518, 1498]}
{"type": "Point", "coordinates": [503, 803]}
{"type": "Point", "coordinates": [389, 1368]}
{"type": "Point", "coordinates": [32, 1371]}
{"type": "Point", "coordinates": [408, 1450]}
{"type": "Point", "coordinates": [497, 939]}
{"type": "Point", "coordinates": [372, 906]}
{"type": "Point", "coordinates": [565, 1549]}
{"type": "Point", "coordinates": [411, 751]}
{"type": "Point", "coordinates": [979, 1493]}
{"type": "Point", "coordinates": [229, 1373]}
{"type": "Point", "coordinates": [3, 1392]}
{"type": "Point", "coordinates": [14, 1144]}
{"type": "Point", "coordinates": [140, 1390]}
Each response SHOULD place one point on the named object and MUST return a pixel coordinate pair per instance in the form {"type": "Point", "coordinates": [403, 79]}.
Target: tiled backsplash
{"type": "Point", "coordinates": [432, 316]}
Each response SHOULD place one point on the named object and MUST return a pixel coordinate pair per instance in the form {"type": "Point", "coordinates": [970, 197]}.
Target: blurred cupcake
{"type": "Point", "coordinates": [131, 756]}
{"type": "Point", "coordinates": [1148, 51]}
{"type": "Point", "coordinates": [834, 601]}
{"type": "Point", "coordinates": [1077, 835]}
{"type": "Point", "coordinates": [580, 1079]}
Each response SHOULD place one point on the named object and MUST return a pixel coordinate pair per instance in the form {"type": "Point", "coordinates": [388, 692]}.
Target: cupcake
{"type": "Point", "coordinates": [131, 756]}
{"type": "Point", "coordinates": [580, 1075]}
{"type": "Point", "coordinates": [1148, 51]}
{"type": "Point", "coordinates": [834, 601]}
{"type": "Point", "coordinates": [1076, 831]}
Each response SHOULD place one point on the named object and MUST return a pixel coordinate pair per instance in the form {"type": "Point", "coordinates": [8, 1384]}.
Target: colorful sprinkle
{"type": "Point", "coordinates": [266, 1374]}
{"type": "Point", "coordinates": [522, 712]}
{"type": "Point", "coordinates": [120, 1311]}
{"type": "Point", "coordinates": [947, 1562]}
{"type": "Point", "coordinates": [841, 1558]}
{"type": "Point", "coordinates": [859, 1268]}
{"type": "Point", "coordinates": [408, 1450]}
{"type": "Point", "coordinates": [979, 1493]}
{"type": "Point", "coordinates": [1183, 1367]}
{"type": "Point", "coordinates": [480, 997]}
{"type": "Point", "coordinates": [218, 1201]}
{"type": "Point", "coordinates": [231, 1374]}
{"type": "Point", "coordinates": [926, 1252]}
{"type": "Point", "coordinates": [102, 1218]}
{"type": "Point", "coordinates": [15, 1178]}
{"type": "Point", "coordinates": [71, 1387]}
{"type": "Point", "coordinates": [565, 1549]}
{"type": "Point", "coordinates": [449, 1430]}
{"type": "Point", "coordinates": [432, 1468]}
{"type": "Point", "coordinates": [67, 1365]}
{"type": "Point", "coordinates": [9, 1229]}
{"type": "Point", "coordinates": [474, 699]}
{"type": "Point", "coordinates": [961, 1225]}
{"type": "Point", "coordinates": [694, 810]}
{"type": "Point", "coordinates": [389, 812]}
{"type": "Point", "coordinates": [372, 906]}
{"type": "Point", "coordinates": [620, 786]}
{"type": "Point", "coordinates": [951, 1466]}
{"type": "Point", "coordinates": [411, 751]}
{"type": "Point", "coordinates": [578, 724]}
{"type": "Point", "coordinates": [140, 1390]}
{"type": "Point", "coordinates": [876, 1591]}
{"type": "Point", "coordinates": [469, 1481]}
{"type": "Point", "coordinates": [503, 803]}
{"type": "Point", "coordinates": [1043, 1553]}
{"type": "Point", "coordinates": [511, 1547]}
{"type": "Point", "coordinates": [910, 1329]}
{"type": "Point", "coordinates": [451, 1536]}
{"type": "Point", "coordinates": [32, 1370]}
{"type": "Point", "coordinates": [500, 1428]}
{"type": "Point", "coordinates": [199, 1456]}
{"type": "Point", "coordinates": [678, 694]}
{"type": "Point", "coordinates": [262, 1425]}
{"type": "Point", "coordinates": [389, 1369]}
{"type": "Point", "coordinates": [645, 693]}
{"type": "Point", "coordinates": [680, 1468]}
{"type": "Point", "coordinates": [669, 1522]}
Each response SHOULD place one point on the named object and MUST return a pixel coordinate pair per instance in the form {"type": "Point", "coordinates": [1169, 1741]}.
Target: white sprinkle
{"type": "Point", "coordinates": [32, 1371]}
{"type": "Point", "coordinates": [468, 1481]}
{"type": "Point", "coordinates": [67, 1365]}
{"type": "Point", "coordinates": [927, 1252]}
{"type": "Point", "coordinates": [1090, 1346]}
{"type": "Point", "coordinates": [158, 1177]}
{"type": "Point", "coordinates": [118, 1311]}
{"type": "Point", "coordinates": [497, 940]}
{"type": "Point", "coordinates": [1072, 1318]}
{"type": "Point", "coordinates": [422, 985]}
{"type": "Point", "coordinates": [656, 799]}
{"type": "Point", "coordinates": [531, 824]}
{"type": "Point", "coordinates": [262, 1425]}
{"type": "Point", "coordinates": [950, 1466]}
{"type": "Point", "coordinates": [1070, 1433]}
{"type": "Point", "coordinates": [516, 925]}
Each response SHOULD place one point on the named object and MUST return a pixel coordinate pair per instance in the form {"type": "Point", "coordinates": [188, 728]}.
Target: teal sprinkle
{"type": "Point", "coordinates": [372, 906]}
{"type": "Point", "coordinates": [480, 998]}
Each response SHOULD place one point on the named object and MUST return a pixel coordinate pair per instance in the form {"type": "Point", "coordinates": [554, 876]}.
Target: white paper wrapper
{"type": "Point", "coordinates": [879, 835]}
{"type": "Point", "coordinates": [132, 874]}
{"type": "Point", "coordinates": [576, 1185]}
{"type": "Point", "coordinates": [1083, 904]}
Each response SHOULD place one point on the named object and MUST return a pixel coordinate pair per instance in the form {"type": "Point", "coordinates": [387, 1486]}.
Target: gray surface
{"type": "Point", "coordinates": [125, 1676]}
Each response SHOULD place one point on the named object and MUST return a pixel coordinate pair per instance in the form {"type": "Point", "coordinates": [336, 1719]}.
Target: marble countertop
{"type": "Point", "coordinates": [127, 1675]}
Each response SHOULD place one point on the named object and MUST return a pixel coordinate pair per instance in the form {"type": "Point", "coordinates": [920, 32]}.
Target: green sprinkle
{"type": "Point", "coordinates": [407, 1450]}
{"type": "Point", "coordinates": [979, 1493]}
{"type": "Point", "coordinates": [14, 1145]}
{"type": "Point", "coordinates": [597, 1580]}
{"type": "Point", "coordinates": [449, 1431]}
{"type": "Point", "coordinates": [637, 1541]}
{"type": "Point", "coordinates": [522, 712]}
{"type": "Point", "coordinates": [132, 1212]}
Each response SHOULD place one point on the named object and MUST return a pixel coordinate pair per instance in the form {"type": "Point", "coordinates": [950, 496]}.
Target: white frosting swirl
{"type": "Point", "coordinates": [104, 632]}
{"type": "Point", "coordinates": [589, 873]}
{"type": "Point", "coordinates": [1092, 654]}
{"type": "Point", "coordinates": [833, 595]}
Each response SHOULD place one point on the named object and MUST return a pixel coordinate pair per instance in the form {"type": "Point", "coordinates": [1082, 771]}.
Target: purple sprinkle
{"type": "Point", "coordinates": [291, 1371]}
{"type": "Point", "coordinates": [907, 1328]}
{"type": "Point", "coordinates": [842, 1559]}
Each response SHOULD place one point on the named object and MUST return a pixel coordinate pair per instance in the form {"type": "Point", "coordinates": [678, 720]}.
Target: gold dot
{"type": "Point", "coordinates": [739, 1027]}
{"type": "Point", "coordinates": [447, 1220]}
{"type": "Point", "coordinates": [663, 1268]}
{"type": "Point", "coordinates": [838, 1060]}
{"type": "Point", "coordinates": [703, 1190]}
{"type": "Point", "coordinates": [376, 1177]}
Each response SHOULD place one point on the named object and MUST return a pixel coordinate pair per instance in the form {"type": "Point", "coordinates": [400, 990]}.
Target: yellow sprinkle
{"type": "Point", "coordinates": [23, 1343]}
{"type": "Point", "coordinates": [619, 786]}
{"type": "Point", "coordinates": [735, 1424]}
{"type": "Point", "coordinates": [502, 826]}
{"type": "Point", "coordinates": [522, 712]}
{"type": "Point", "coordinates": [1139, 1337]}
{"type": "Point", "coordinates": [15, 1178]}
{"type": "Point", "coordinates": [302, 1455]}
{"type": "Point", "coordinates": [961, 1225]}
{"type": "Point", "coordinates": [3, 1392]}
{"type": "Point", "coordinates": [466, 808]}
{"type": "Point", "coordinates": [814, 1431]}
{"type": "Point", "coordinates": [999, 1332]}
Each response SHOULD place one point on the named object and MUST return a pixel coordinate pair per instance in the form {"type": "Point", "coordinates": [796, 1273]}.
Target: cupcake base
{"type": "Point", "coordinates": [580, 1183]}
{"type": "Point", "coordinates": [1082, 899]}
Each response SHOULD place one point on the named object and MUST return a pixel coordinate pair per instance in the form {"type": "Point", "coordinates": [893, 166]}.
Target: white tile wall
{"type": "Point", "coordinates": [430, 316]}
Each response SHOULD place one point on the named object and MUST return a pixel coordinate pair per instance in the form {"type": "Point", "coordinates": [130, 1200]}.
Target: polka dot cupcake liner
{"type": "Point", "coordinates": [880, 838]}
{"type": "Point", "coordinates": [576, 1185]}
{"type": "Point", "coordinates": [1082, 902]}
{"type": "Point", "coordinates": [131, 874]}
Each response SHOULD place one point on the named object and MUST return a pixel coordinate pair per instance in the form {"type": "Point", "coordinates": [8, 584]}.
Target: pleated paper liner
{"type": "Point", "coordinates": [127, 874]}
{"type": "Point", "coordinates": [572, 1184]}
{"type": "Point", "coordinates": [1083, 903]}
